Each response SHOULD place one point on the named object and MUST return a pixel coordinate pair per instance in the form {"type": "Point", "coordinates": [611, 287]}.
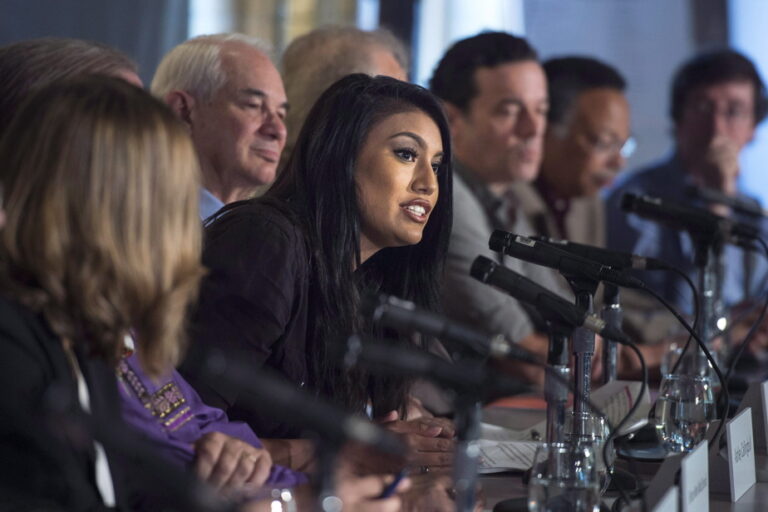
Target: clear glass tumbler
{"type": "Point", "coordinates": [275, 499]}
{"type": "Point", "coordinates": [684, 409]}
{"type": "Point", "coordinates": [587, 427]}
{"type": "Point", "coordinates": [564, 478]}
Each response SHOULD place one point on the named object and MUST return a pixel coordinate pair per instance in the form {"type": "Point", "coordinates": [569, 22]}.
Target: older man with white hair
{"type": "Point", "coordinates": [225, 88]}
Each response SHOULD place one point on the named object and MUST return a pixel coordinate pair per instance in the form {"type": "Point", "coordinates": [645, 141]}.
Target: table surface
{"type": "Point", "coordinates": [500, 486]}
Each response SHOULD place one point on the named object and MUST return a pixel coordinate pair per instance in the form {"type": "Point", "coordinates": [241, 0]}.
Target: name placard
{"type": "Point", "coordinates": [741, 453]}
{"type": "Point", "coordinates": [669, 503]}
{"type": "Point", "coordinates": [666, 475]}
{"type": "Point", "coordinates": [694, 480]}
{"type": "Point", "coordinates": [756, 397]}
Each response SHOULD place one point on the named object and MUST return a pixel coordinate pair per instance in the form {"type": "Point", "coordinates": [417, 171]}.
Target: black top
{"type": "Point", "coordinates": [254, 302]}
{"type": "Point", "coordinates": [47, 457]}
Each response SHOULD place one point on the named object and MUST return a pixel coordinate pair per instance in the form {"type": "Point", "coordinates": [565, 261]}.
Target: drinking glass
{"type": "Point", "coordinates": [587, 427]}
{"type": "Point", "coordinates": [279, 499]}
{"type": "Point", "coordinates": [684, 409]}
{"type": "Point", "coordinates": [564, 478]}
{"type": "Point", "coordinates": [669, 359]}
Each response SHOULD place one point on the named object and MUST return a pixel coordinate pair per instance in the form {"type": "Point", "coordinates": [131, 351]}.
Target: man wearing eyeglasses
{"type": "Point", "coordinates": [717, 101]}
{"type": "Point", "coordinates": [586, 144]}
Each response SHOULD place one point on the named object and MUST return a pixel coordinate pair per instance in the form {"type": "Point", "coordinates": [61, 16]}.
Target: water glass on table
{"type": "Point", "coordinates": [684, 409]}
{"type": "Point", "coordinates": [564, 478]}
{"type": "Point", "coordinates": [277, 499]}
{"type": "Point", "coordinates": [669, 359]}
{"type": "Point", "coordinates": [588, 427]}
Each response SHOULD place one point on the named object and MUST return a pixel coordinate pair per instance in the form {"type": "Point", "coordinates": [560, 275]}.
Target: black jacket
{"type": "Point", "coordinates": [46, 452]}
{"type": "Point", "coordinates": [254, 303]}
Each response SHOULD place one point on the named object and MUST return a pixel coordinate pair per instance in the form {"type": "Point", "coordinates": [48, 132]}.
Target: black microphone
{"type": "Point", "coordinates": [617, 260]}
{"type": "Point", "coordinates": [697, 221]}
{"type": "Point", "coordinates": [474, 379]}
{"type": "Point", "coordinates": [738, 204]}
{"type": "Point", "coordinates": [549, 305]}
{"type": "Point", "coordinates": [568, 264]}
{"type": "Point", "coordinates": [403, 315]}
{"type": "Point", "coordinates": [261, 388]}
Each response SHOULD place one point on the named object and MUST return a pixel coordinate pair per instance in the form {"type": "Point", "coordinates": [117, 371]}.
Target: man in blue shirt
{"type": "Point", "coordinates": [717, 101]}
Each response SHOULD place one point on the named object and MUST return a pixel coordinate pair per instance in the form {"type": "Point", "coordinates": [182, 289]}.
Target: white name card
{"type": "Point", "coordinates": [741, 454]}
{"type": "Point", "coordinates": [694, 480]}
{"type": "Point", "coordinates": [670, 501]}
{"type": "Point", "coordinates": [756, 397]}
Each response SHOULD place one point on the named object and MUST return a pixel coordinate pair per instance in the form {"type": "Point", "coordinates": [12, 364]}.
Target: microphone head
{"type": "Point", "coordinates": [482, 268]}
{"type": "Point", "coordinates": [499, 240]}
{"type": "Point", "coordinates": [628, 201]}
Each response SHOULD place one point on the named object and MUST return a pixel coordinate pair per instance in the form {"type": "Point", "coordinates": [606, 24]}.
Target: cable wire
{"type": "Point", "coordinates": [752, 330]}
{"type": "Point", "coordinates": [632, 410]}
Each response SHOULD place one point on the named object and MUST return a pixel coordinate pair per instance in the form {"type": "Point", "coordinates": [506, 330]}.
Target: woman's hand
{"type": "Point", "coordinates": [430, 441]}
{"type": "Point", "coordinates": [229, 464]}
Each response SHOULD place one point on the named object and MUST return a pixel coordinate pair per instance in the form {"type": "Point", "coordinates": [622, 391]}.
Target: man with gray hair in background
{"type": "Point", "coordinates": [314, 61]}
{"type": "Point", "coordinates": [226, 90]}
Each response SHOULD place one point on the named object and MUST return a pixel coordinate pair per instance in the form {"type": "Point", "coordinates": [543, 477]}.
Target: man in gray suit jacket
{"type": "Point", "coordinates": [495, 96]}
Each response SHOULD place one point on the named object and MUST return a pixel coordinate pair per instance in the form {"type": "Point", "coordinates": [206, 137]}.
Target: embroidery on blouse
{"type": "Point", "coordinates": [167, 404]}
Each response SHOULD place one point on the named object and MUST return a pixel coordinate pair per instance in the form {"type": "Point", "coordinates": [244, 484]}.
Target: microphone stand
{"type": "Point", "coordinates": [555, 391]}
{"type": "Point", "coordinates": [325, 483]}
{"type": "Point", "coordinates": [467, 421]}
{"type": "Point", "coordinates": [471, 383]}
{"type": "Point", "coordinates": [612, 315]}
{"type": "Point", "coordinates": [708, 250]}
{"type": "Point", "coordinates": [583, 348]}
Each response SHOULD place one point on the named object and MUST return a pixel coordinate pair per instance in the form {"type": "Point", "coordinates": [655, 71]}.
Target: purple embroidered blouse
{"type": "Point", "coordinates": [172, 415]}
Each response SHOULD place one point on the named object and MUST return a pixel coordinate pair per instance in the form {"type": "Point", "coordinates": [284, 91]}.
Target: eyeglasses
{"type": "Point", "coordinates": [612, 145]}
{"type": "Point", "coordinates": [733, 112]}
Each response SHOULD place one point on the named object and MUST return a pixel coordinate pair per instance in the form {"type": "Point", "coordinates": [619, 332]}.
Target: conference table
{"type": "Point", "coordinates": [500, 486]}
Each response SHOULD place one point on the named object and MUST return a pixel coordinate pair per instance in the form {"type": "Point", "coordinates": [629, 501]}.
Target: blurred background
{"type": "Point", "coordinates": [645, 39]}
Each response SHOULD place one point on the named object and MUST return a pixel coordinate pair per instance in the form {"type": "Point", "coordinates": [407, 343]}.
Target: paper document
{"type": "Point", "coordinates": [614, 400]}
{"type": "Point", "coordinates": [490, 433]}
{"type": "Point", "coordinates": [617, 397]}
{"type": "Point", "coordinates": [496, 457]}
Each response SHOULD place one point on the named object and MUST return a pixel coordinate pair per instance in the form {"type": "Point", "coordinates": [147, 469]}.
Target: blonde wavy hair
{"type": "Point", "coordinates": [102, 234]}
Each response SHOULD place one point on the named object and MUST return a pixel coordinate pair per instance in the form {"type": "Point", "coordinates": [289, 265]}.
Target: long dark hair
{"type": "Point", "coordinates": [318, 183]}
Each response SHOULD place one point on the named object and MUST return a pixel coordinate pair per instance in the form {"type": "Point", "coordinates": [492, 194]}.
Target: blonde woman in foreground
{"type": "Point", "coordinates": [101, 238]}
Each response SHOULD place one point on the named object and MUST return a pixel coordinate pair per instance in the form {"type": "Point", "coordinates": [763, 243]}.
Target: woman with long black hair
{"type": "Point", "coordinates": [363, 205]}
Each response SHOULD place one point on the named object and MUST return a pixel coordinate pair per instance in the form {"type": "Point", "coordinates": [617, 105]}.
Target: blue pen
{"type": "Point", "coordinates": [390, 489]}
